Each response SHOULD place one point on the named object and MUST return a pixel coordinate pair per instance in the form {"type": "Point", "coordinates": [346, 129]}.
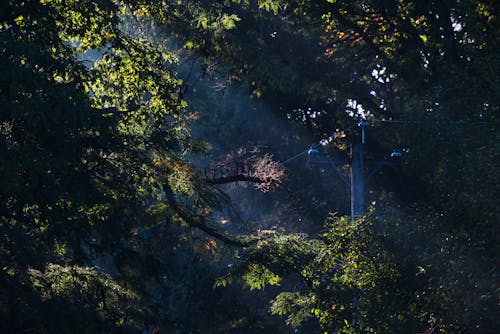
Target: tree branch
{"type": "Point", "coordinates": [210, 230]}
{"type": "Point", "coordinates": [199, 222]}
{"type": "Point", "coordinates": [235, 178]}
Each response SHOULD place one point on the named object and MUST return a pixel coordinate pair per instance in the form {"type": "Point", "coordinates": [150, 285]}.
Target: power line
{"type": "Point", "coordinates": [335, 136]}
{"type": "Point", "coordinates": [428, 122]}
{"type": "Point", "coordinates": [294, 157]}
{"type": "Point", "coordinates": [395, 122]}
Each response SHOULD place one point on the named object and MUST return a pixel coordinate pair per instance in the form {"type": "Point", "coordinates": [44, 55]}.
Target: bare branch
{"type": "Point", "coordinates": [235, 178]}
{"type": "Point", "coordinates": [263, 172]}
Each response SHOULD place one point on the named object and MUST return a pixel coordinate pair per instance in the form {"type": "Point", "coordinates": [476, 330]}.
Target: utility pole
{"type": "Point", "coordinates": [358, 174]}
{"type": "Point", "coordinates": [358, 180]}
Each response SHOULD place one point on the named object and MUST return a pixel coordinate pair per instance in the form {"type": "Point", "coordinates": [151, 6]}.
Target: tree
{"type": "Point", "coordinates": [409, 65]}
{"type": "Point", "coordinates": [97, 158]}
{"type": "Point", "coordinates": [95, 151]}
{"type": "Point", "coordinates": [417, 63]}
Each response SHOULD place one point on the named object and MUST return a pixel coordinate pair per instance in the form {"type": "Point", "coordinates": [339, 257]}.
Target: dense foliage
{"type": "Point", "coordinates": [109, 220]}
{"type": "Point", "coordinates": [93, 152]}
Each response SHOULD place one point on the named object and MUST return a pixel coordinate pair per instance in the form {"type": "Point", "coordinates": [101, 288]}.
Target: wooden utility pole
{"type": "Point", "coordinates": [358, 181]}
{"type": "Point", "coordinates": [358, 174]}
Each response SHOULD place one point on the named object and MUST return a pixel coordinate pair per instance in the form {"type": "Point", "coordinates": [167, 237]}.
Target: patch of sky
{"type": "Point", "coordinates": [356, 109]}
{"type": "Point", "coordinates": [303, 114]}
{"type": "Point", "coordinates": [380, 75]}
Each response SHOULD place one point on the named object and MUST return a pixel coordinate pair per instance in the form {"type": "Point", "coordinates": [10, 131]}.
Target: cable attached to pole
{"type": "Point", "coordinates": [320, 143]}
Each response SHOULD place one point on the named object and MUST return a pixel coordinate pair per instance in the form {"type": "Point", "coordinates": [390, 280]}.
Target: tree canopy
{"type": "Point", "coordinates": [130, 129]}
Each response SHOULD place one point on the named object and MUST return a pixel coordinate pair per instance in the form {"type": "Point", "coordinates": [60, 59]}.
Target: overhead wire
{"type": "Point", "coordinates": [396, 122]}
{"type": "Point", "coordinates": [422, 122]}
{"type": "Point", "coordinates": [337, 133]}
{"type": "Point", "coordinates": [335, 136]}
